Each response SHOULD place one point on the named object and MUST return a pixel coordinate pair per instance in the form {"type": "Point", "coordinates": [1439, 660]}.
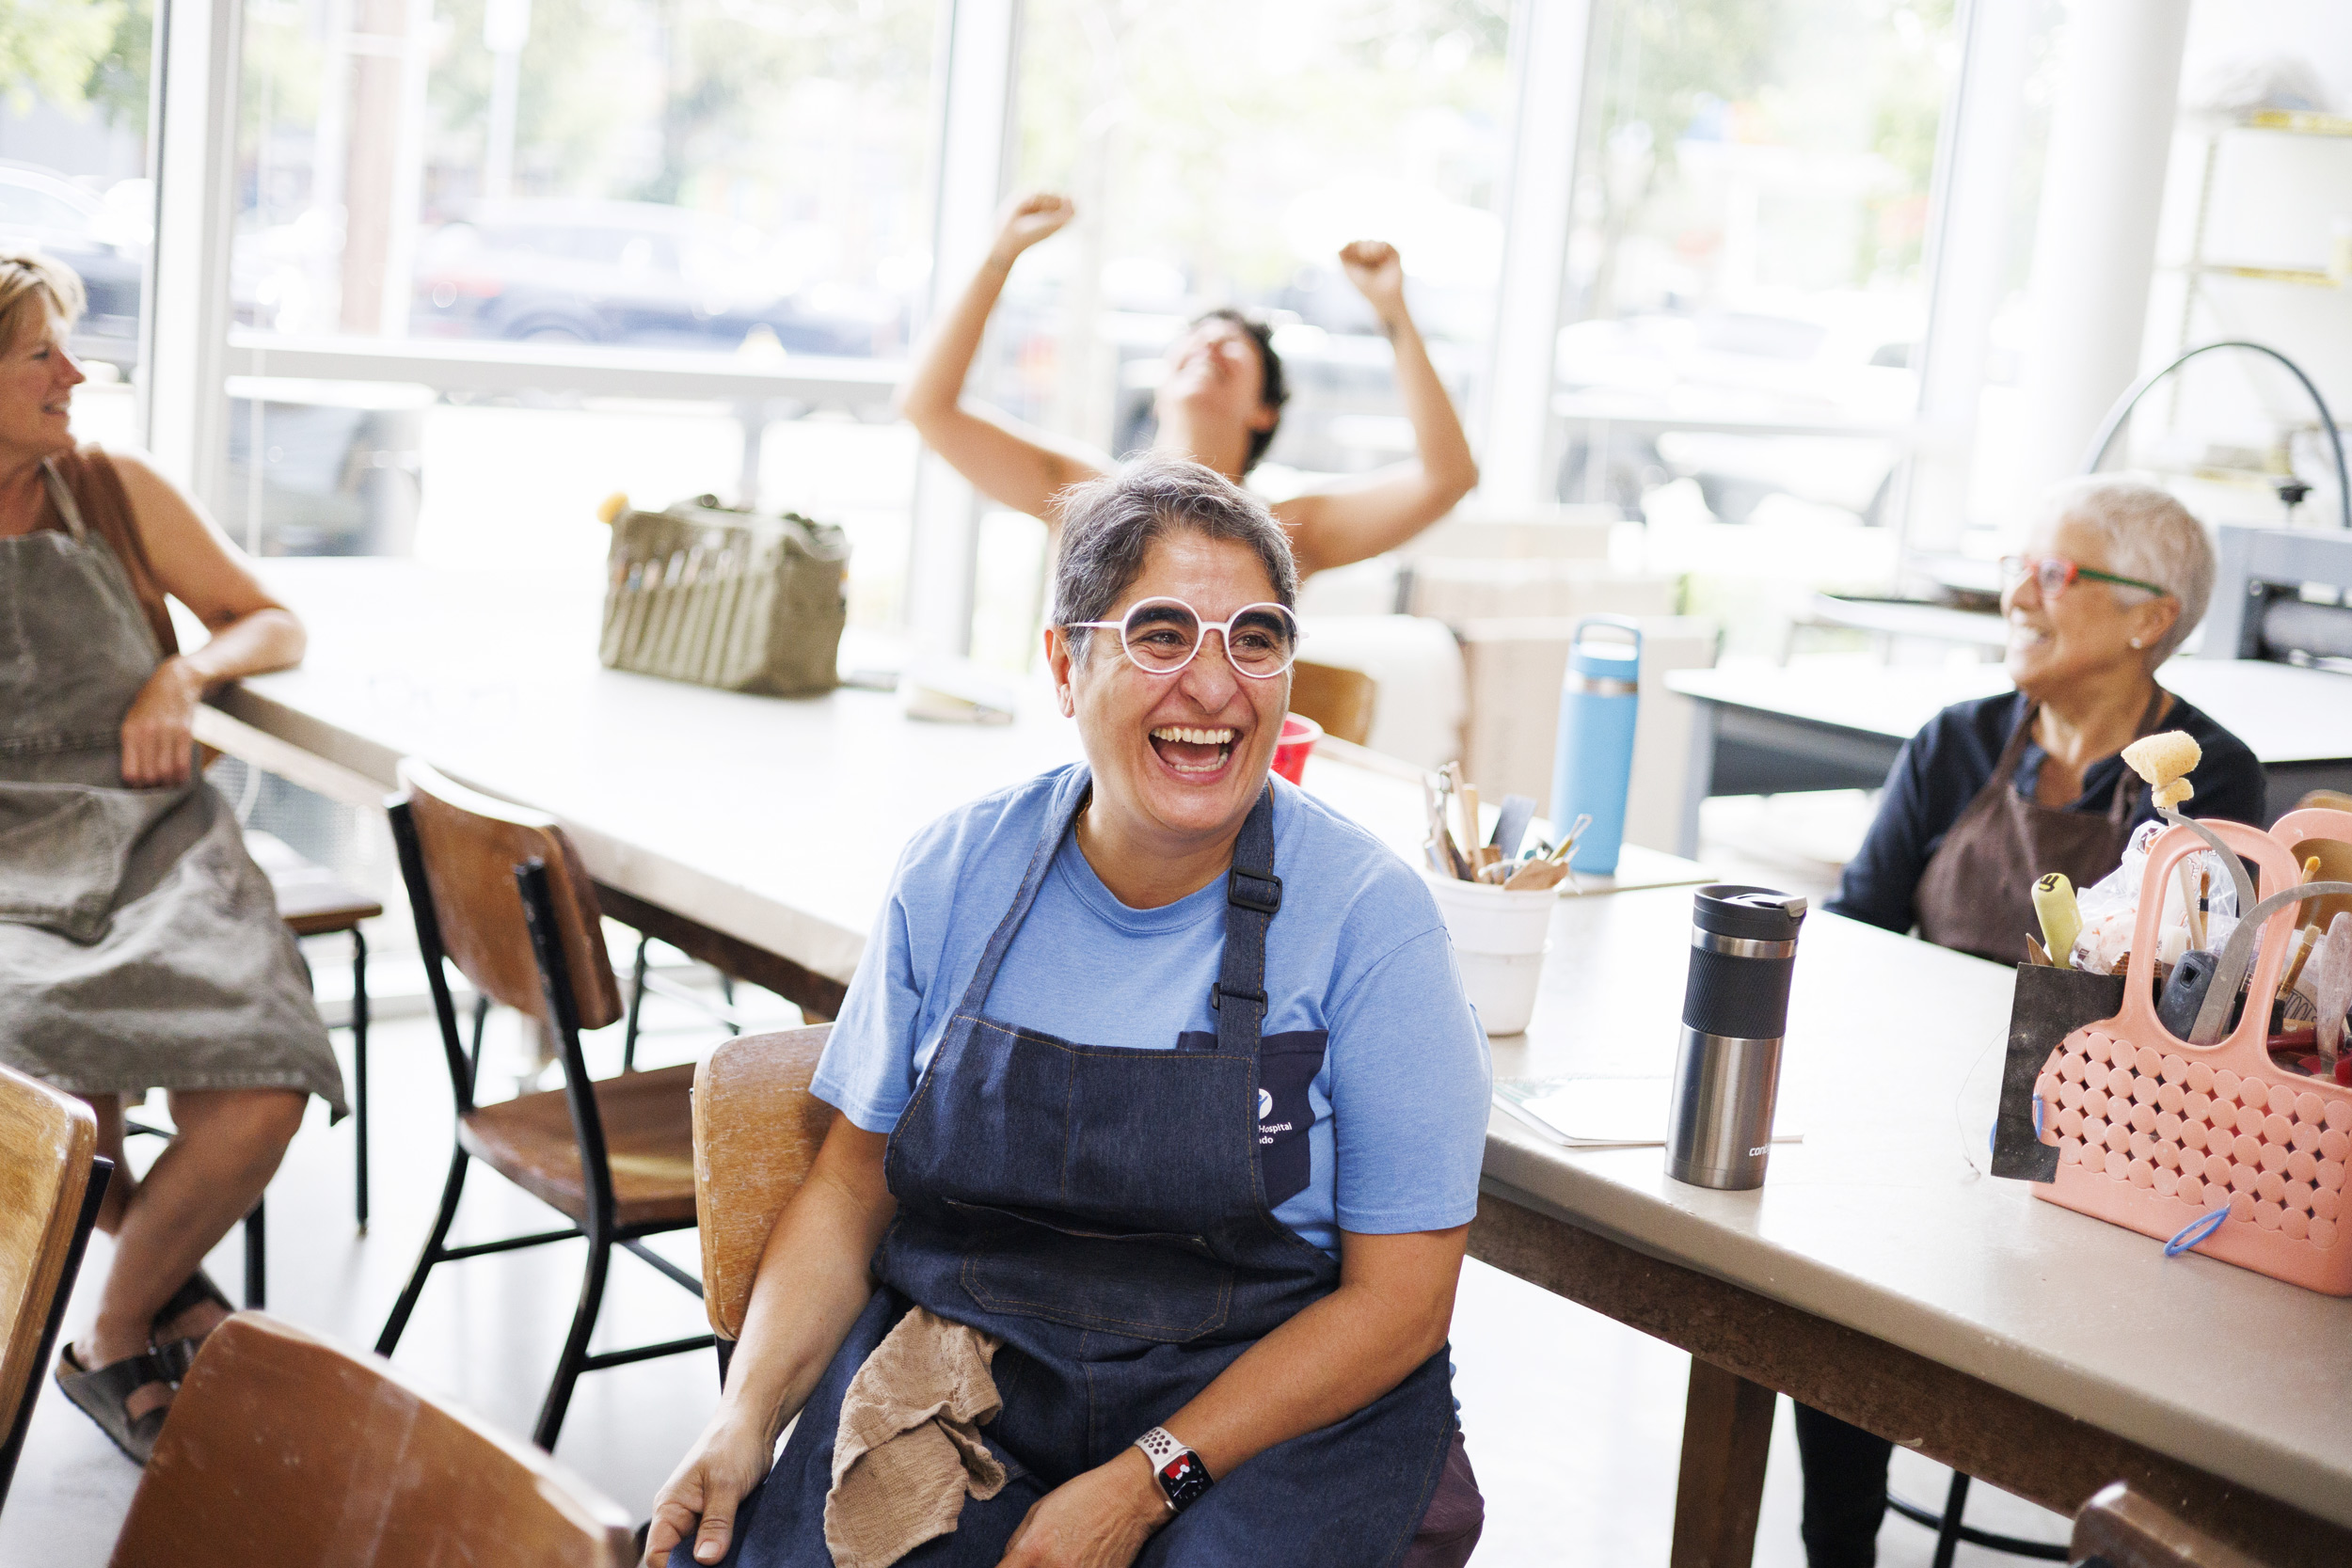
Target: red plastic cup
{"type": "Point", "coordinates": [1297, 739]}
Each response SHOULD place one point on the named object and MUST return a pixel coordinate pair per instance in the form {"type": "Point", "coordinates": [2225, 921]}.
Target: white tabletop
{"type": "Point", "coordinates": [2282, 713]}
{"type": "Point", "coordinates": [1878, 1220]}
{"type": "Point", "coordinates": [1882, 1220]}
{"type": "Point", "coordinates": [774, 820]}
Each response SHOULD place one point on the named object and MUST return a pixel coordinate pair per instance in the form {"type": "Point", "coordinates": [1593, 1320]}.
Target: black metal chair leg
{"type": "Point", "coordinates": [359, 1070]}
{"type": "Point", "coordinates": [481, 1023]}
{"type": "Point", "coordinates": [572, 1363]}
{"type": "Point", "coordinates": [450, 1189]}
{"type": "Point", "coordinates": [636, 1001]}
{"type": "Point", "coordinates": [257, 1257]}
{"type": "Point", "coordinates": [1955, 1509]}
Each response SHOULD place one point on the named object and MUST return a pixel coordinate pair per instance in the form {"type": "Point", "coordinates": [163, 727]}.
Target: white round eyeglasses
{"type": "Point", "coordinates": [1161, 636]}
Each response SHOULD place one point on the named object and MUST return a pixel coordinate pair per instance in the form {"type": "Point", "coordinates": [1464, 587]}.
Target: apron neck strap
{"type": "Point", "coordinates": [1253, 894]}
{"type": "Point", "coordinates": [2006, 767]}
{"type": "Point", "coordinates": [2125, 786]}
{"type": "Point", "coordinates": [1069, 800]}
{"type": "Point", "coordinates": [62, 497]}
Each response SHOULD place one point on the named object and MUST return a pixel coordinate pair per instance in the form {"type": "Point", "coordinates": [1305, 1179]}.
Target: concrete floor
{"type": "Point", "coordinates": [1573, 1420]}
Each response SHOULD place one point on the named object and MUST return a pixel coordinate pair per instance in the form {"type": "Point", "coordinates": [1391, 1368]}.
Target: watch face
{"type": "Point", "coordinates": [1184, 1478]}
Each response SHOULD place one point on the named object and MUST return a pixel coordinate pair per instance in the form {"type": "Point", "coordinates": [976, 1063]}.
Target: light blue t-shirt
{"type": "Point", "coordinates": [1392, 1120]}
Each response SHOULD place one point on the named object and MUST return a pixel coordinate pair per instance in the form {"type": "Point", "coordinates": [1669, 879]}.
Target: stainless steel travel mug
{"type": "Point", "coordinates": [1735, 1010]}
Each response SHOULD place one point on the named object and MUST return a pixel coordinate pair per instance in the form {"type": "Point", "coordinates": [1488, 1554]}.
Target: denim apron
{"type": "Point", "coordinates": [1102, 1212]}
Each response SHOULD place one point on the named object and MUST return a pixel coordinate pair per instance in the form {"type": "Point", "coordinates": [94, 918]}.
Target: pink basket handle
{"type": "Point", "coordinates": [2278, 872]}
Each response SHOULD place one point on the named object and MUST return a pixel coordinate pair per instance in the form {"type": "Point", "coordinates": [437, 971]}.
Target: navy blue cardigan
{"type": "Point", "coordinates": [1942, 768]}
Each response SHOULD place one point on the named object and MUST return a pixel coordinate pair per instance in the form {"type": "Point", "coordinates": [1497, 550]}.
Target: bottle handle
{"type": "Point", "coordinates": [1614, 622]}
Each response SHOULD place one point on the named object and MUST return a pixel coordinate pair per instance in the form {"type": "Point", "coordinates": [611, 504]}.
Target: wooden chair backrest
{"type": "Point", "coordinates": [1339, 700]}
{"type": "Point", "coordinates": [2123, 1530]}
{"type": "Point", "coordinates": [756, 1132]}
{"type": "Point", "coordinates": [470, 843]}
{"type": "Point", "coordinates": [285, 1449]}
{"type": "Point", "coordinates": [46, 1141]}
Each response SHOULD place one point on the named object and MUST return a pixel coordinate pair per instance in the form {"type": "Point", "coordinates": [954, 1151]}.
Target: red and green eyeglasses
{"type": "Point", "coordinates": [2053, 574]}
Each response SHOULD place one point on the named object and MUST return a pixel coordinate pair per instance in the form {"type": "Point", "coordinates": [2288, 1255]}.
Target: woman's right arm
{"type": "Point", "coordinates": [1012, 464]}
{"type": "Point", "coordinates": [812, 1284]}
{"type": "Point", "coordinates": [1879, 885]}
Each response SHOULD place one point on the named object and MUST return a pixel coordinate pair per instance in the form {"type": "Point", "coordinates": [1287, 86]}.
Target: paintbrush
{"type": "Point", "coordinates": [1560, 851]}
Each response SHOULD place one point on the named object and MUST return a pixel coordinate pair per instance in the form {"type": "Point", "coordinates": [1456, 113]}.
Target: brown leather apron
{"type": "Point", "coordinates": [1977, 893]}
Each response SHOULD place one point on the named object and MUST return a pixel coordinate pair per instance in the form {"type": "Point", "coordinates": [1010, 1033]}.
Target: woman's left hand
{"type": "Point", "coordinates": [159, 732]}
{"type": "Point", "coordinates": [1097, 1520]}
{"type": "Point", "coordinates": [1377, 272]}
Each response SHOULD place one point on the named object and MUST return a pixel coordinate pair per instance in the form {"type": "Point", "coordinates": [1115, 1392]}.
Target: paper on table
{"type": "Point", "coordinates": [1597, 1113]}
{"type": "Point", "coordinates": [956, 691]}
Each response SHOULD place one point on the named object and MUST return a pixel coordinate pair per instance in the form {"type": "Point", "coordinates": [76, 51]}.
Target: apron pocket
{"type": "Point", "coordinates": [65, 847]}
{"type": "Point", "coordinates": [1164, 1286]}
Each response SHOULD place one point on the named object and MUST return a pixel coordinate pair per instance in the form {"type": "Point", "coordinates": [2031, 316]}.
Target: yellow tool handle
{"type": "Point", "coordinates": [2061, 917]}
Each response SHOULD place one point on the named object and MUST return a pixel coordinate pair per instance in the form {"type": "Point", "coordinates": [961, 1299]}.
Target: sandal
{"type": "Point", "coordinates": [177, 1355]}
{"type": "Point", "coordinates": [104, 1393]}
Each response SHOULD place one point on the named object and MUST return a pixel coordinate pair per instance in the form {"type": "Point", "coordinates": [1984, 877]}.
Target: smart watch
{"type": "Point", "coordinates": [1184, 1479]}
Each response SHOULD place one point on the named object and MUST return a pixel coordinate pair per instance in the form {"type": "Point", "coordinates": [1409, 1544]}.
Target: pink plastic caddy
{"type": "Point", "coordinates": [2153, 1132]}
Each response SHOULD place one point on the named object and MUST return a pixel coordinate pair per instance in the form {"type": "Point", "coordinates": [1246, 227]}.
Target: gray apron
{"type": "Point", "coordinates": [139, 944]}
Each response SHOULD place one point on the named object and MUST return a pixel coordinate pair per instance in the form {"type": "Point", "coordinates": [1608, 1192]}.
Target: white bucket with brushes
{"type": "Point", "coordinates": [1499, 942]}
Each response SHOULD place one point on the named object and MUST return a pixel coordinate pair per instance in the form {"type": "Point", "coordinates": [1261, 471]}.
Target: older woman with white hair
{"type": "Point", "coordinates": [1993, 794]}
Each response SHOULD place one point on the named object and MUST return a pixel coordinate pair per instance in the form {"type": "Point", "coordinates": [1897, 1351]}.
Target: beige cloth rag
{"type": "Point", "coordinates": [909, 1445]}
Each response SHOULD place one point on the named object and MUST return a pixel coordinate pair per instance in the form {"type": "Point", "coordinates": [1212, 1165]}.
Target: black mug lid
{"type": "Point", "coordinates": [1756, 913]}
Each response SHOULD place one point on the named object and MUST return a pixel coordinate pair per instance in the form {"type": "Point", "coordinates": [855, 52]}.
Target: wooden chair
{"type": "Point", "coordinates": [497, 891]}
{"type": "Point", "coordinates": [756, 1132]}
{"type": "Point", "coordinates": [641, 979]}
{"type": "Point", "coordinates": [1339, 700]}
{"type": "Point", "coordinates": [52, 1181]}
{"type": "Point", "coordinates": [285, 1449]}
{"type": "Point", "coordinates": [2120, 1528]}
{"type": "Point", "coordinates": [313, 902]}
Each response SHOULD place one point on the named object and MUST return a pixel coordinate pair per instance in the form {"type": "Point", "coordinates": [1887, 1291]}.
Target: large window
{"type": "Point", "coordinates": [1220, 153]}
{"type": "Point", "coordinates": [74, 182]}
{"type": "Point", "coordinates": [659, 185]}
{"type": "Point", "coordinates": [1749, 251]}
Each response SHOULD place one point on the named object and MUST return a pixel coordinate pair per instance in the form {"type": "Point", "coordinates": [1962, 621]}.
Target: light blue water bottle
{"type": "Point", "coordinates": [1593, 764]}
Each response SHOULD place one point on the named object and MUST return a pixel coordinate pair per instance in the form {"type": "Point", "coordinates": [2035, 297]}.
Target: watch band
{"type": "Point", "coordinates": [1182, 1476]}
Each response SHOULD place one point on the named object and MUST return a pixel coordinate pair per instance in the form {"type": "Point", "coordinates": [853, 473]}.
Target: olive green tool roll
{"type": "Point", "coordinates": [727, 598]}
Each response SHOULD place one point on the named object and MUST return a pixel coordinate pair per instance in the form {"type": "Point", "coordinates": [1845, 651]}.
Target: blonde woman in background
{"type": "Point", "coordinates": [139, 945]}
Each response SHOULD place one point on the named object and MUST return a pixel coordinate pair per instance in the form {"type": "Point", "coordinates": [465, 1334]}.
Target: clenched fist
{"type": "Point", "coordinates": [1377, 272]}
{"type": "Point", "coordinates": [1030, 218]}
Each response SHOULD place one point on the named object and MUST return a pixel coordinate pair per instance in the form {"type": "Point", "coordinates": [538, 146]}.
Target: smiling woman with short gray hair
{"type": "Point", "coordinates": [2110, 576]}
{"type": "Point", "coordinates": [1159, 1098]}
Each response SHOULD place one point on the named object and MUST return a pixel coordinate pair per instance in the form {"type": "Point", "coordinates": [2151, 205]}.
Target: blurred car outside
{"type": "Point", "coordinates": [637, 274]}
{"type": "Point", "coordinates": [1719, 369]}
{"type": "Point", "coordinates": [104, 239]}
